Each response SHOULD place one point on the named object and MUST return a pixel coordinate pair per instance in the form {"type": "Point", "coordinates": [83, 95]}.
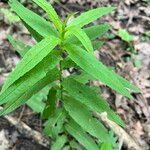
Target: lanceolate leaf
{"type": "Point", "coordinates": [90, 16]}
{"type": "Point", "coordinates": [96, 31]}
{"type": "Point", "coordinates": [92, 32]}
{"type": "Point", "coordinates": [24, 95]}
{"type": "Point", "coordinates": [31, 59]}
{"type": "Point", "coordinates": [36, 22]}
{"type": "Point", "coordinates": [128, 85]}
{"type": "Point", "coordinates": [89, 97]}
{"type": "Point", "coordinates": [81, 136]}
{"type": "Point", "coordinates": [50, 104]}
{"type": "Point", "coordinates": [60, 141]}
{"type": "Point", "coordinates": [83, 38]}
{"type": "Point", "coordinates": [97, 44]}
{"type": "Point", "coordinates": [95, 68]}
{"type": "Point", "coordinates": [51, 12]}
{"type": "Point", "coordinates": [30, 78]}
{"type": "Point", "coordinates": [85, 119]}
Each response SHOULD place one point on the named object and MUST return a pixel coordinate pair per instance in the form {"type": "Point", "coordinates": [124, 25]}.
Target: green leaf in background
{"type": "Point", "coordinates": [9, 16]}
{"type": "Point", "coordinates": [67, 63]}
{"type": "Point", "coordinates": [33, 32]}
{"type": "Point", "coordinates": [89, 16]}
{"type": "Point", "coordinates": [83, 77]}
{"type": "Point", "coordinates": [55, 123]}
{"type": "Point", "coordinates": [89, 97]}
{"type": "Point", "coordinates": [80, 135]}
{"type": "Point", "coordinates": [60, 141]}
{"type": "Point", "coordinates": [36, 101]}
{"type": "Point", "coordinates": [50, 104]}
{"type": "Point", "coordinates": [67, 147]}
{"type": "Point", "coordinates": [85, 119]}
{"type": "Point", "coordinates": [83, 38]}
{"type": "Point", "coordinates": [31, 59]}
{"type": "Point", "coordinates": [125, 36]}
{"type": "Point", "coordinates": [22, 99]}
{"type": "Point", "coordinates": [96, 69]}
{"type": "Point", "coordinates": [51, 13]}
{"type": "Point", "coordinates": [97, 44]}
{"type": "Point", "coordinates": [20, 47]}
{"type": "Point", "coordinates": [33, 20]}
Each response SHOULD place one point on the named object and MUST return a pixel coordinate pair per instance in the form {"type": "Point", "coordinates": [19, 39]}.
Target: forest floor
{"type": "Point", "coordinates": [132, 61]}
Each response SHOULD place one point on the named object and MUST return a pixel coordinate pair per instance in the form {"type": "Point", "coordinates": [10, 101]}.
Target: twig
{"type": "Point", "coordinates": [25, 129]}
{"type": "Point", "coordinates": [21, 114]}
{"type": "Point", "coordinates": [120, 132]}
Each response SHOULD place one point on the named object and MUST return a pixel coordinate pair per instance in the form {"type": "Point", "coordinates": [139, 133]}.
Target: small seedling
{"type": "Point", "coordinates": [126, 37]}
{"type": "Point", "coordinates": [66, 103]}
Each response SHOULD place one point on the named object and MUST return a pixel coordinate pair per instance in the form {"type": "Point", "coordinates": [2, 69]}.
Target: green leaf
{"type": "Point", "coordinates": [9, 16]}
{"type": "Point", "coordinates": [96, 69]}
{"type": "Point", "coordinates": [50, 104]}
{"type": "Point", "coordinates": [75, 145]}
{"type": "Point", "coordinates": [31, 59]}
{"type": "Point", "coordinates": [125, 36]}
{"type": "Point", "coordinates": [20, 47]}
{"type": "Point", "coordinates": [97, 44]}
{"type": "Point", "coordinates": [67, 63]}
{"type": "Point", "coordinates": [33, 20]}
{"type": "Point", "coordinates": [36, 101]}
{"type": "Point", "coordinates": [83, 77]}
{"type": "Point", "coordinates": [89, 97]}
{"type": "Point", "coordinates": [33, 33]}
{"type": "Point", "coordinates": [30, 78]}
{"type": "Point", "coordinates": [80, 135]}
{"type": "Point", "coordinates": [85, 119]}
{"type": "Point", "coordinates": [66, 147]}
{"type": "Point", "coordinates": [106, 146]}
{"type": "Point", "coordinates": [127, 84]}
{"type": "Point", "coordinates": [83, 38]}
{"type": "Point", "coordinates": [60, 141]}
{"type": "Point", "coordinates": [51, 13]}
{"type": "Point", "coordinates": [89, 16]}
{"type": "Point", "coordinates": [24, 95]}
{"type": "Point", "coordinates": [54, 124]}
{"type": "Point", "coordinates": [96, 31]}
{"type": "Point", "coordinates": [92, 32]}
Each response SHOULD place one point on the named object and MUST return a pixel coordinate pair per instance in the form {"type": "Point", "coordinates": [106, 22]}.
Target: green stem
{"type": "Point", "coordinates": [60, 80]}
{"type": "Point", "coordinates": [62, 35]}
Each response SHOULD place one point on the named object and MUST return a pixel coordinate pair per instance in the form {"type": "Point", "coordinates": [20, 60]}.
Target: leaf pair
{"type": "Point", "coordinates": [99, 71]}
{"type": "Point", "coordinates": [89, 97]}
{"type": "Point", "coordinates": [31, 59]}
{"type": "Point", "coordinates": [33, 81]}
